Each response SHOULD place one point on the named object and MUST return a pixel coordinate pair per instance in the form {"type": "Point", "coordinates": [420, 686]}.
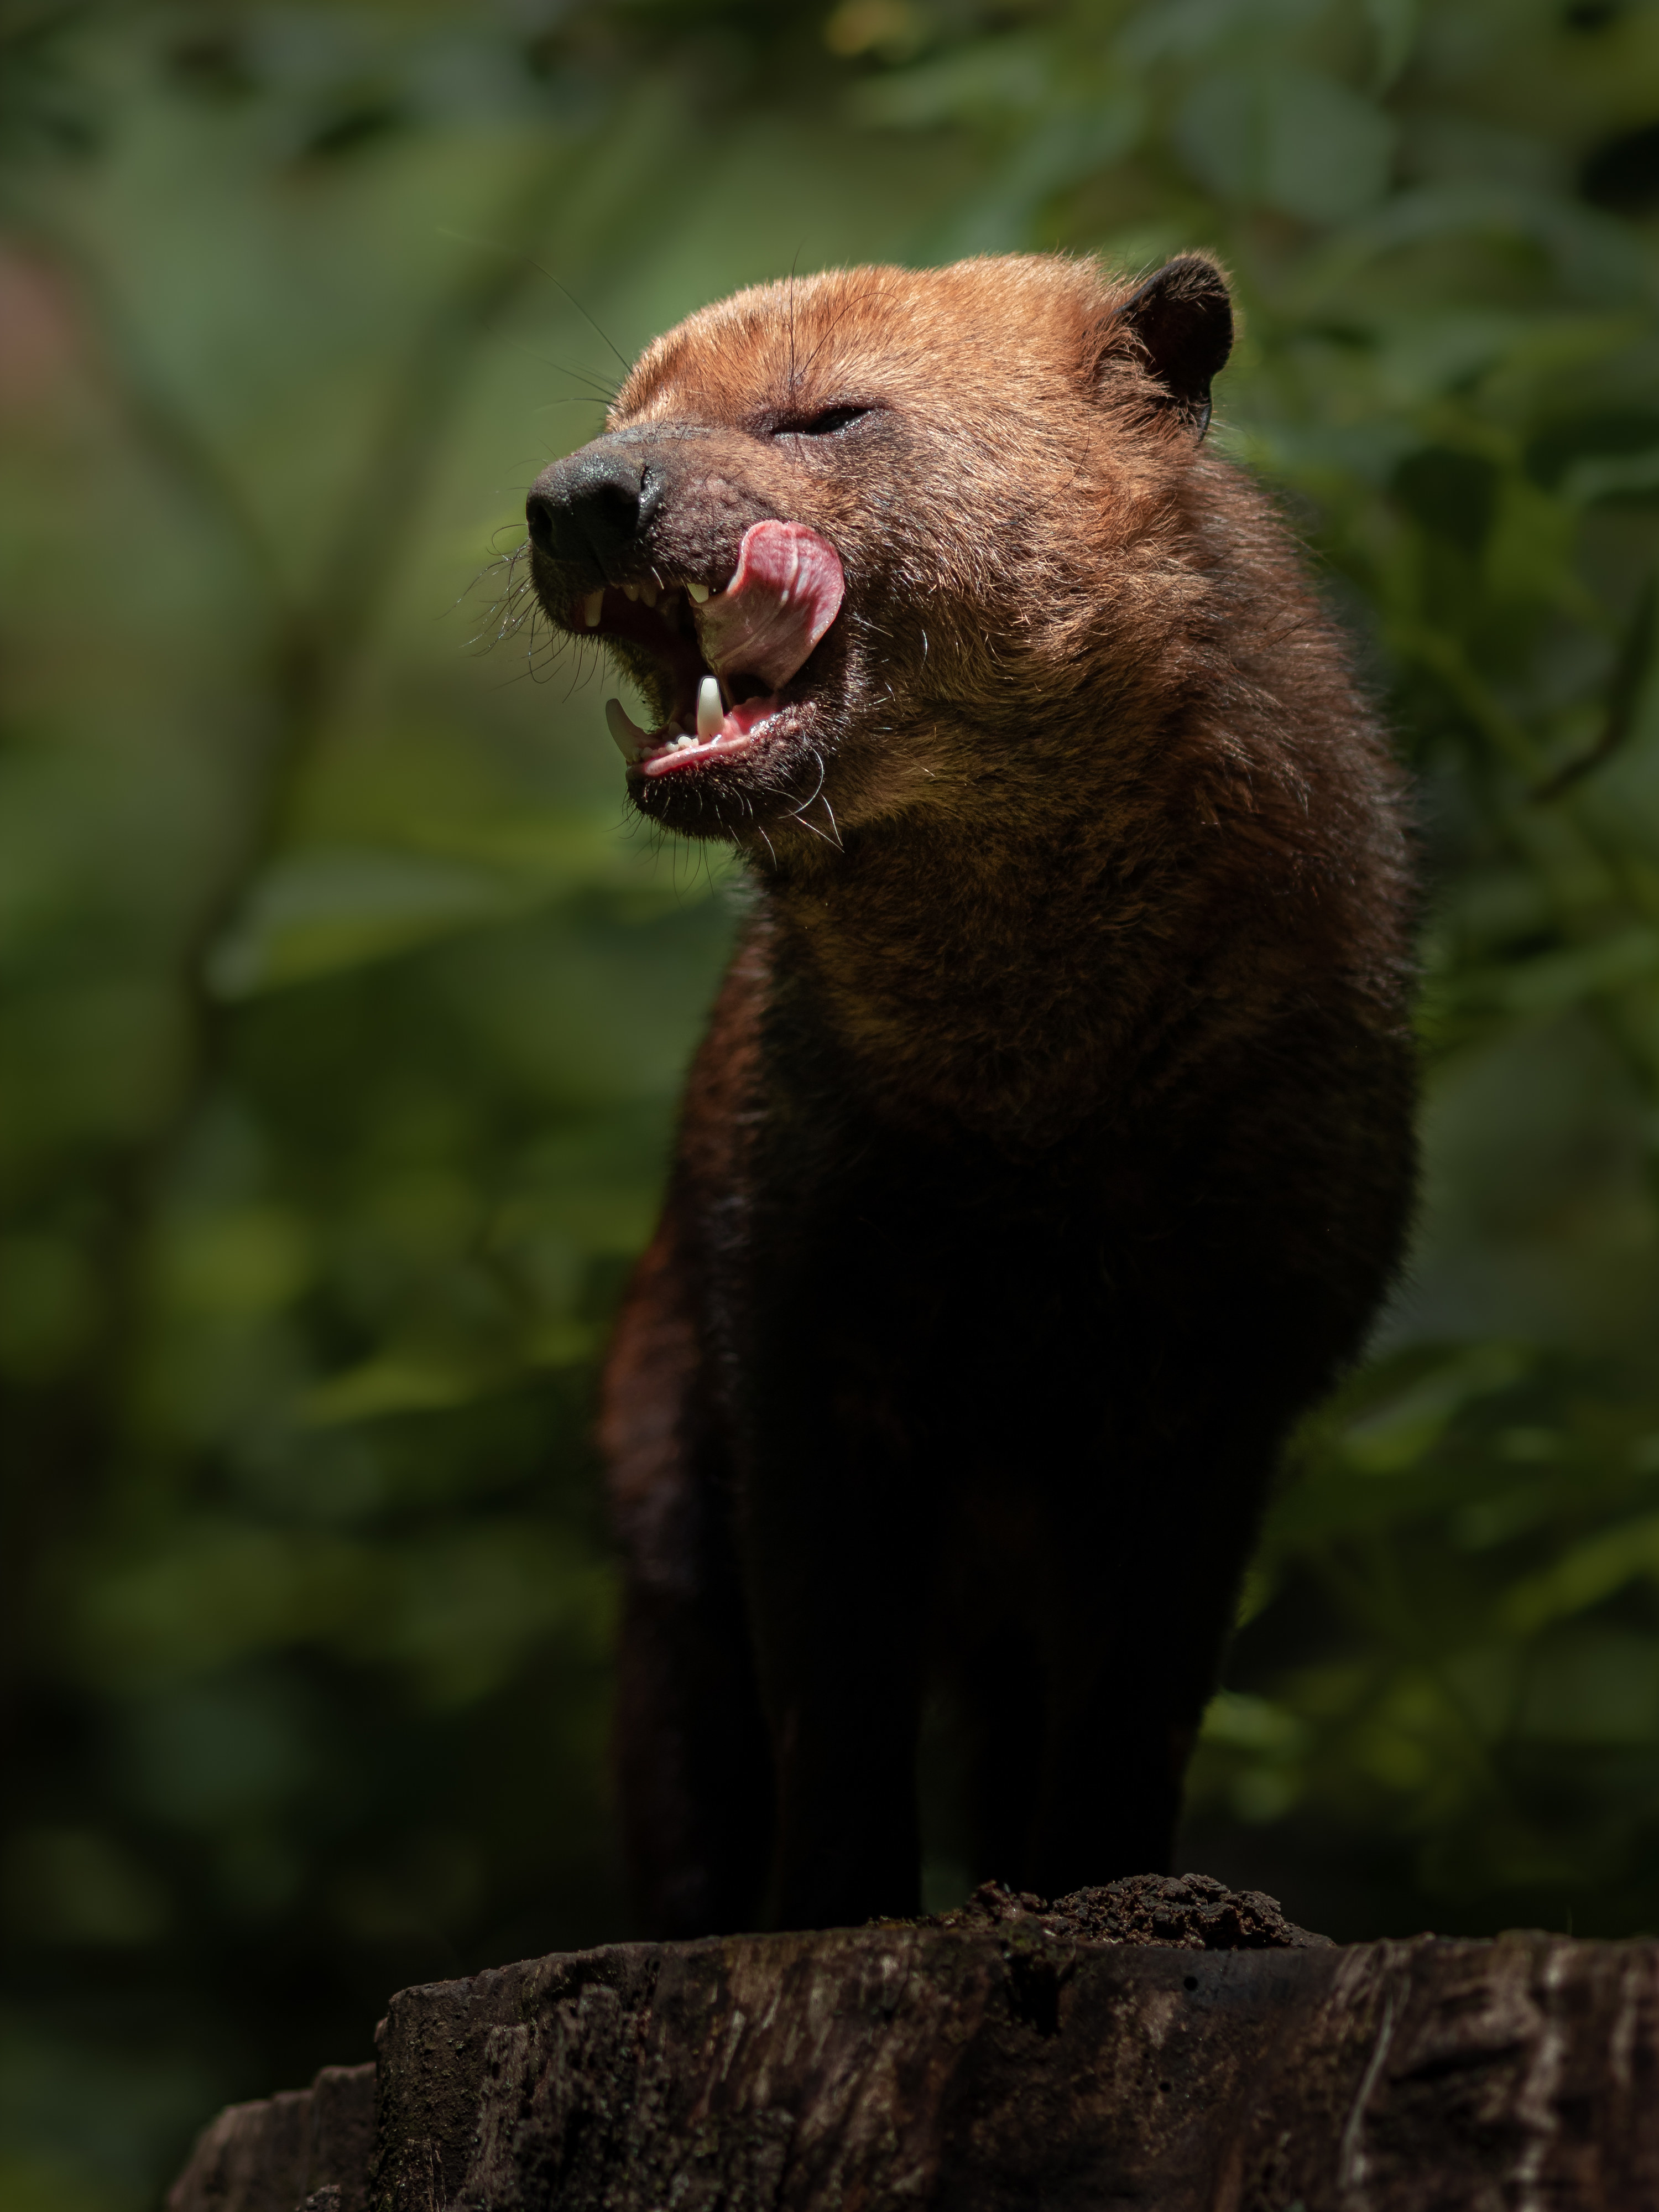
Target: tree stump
{"type": "Point", "coordinates": [1165, 2043]}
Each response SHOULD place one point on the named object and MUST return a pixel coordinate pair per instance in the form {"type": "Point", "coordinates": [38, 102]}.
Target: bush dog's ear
{"type": "Point", "coordinates": [1182, 319]}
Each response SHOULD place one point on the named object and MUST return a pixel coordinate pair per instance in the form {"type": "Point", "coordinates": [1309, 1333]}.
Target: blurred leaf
{"type": "Point", "coordinates": [1396, 23]}
{"type": "Point", "coordinates": [316, 913]}
{"type": "Point", "coordinates": [988, 80]}
{"type": "Point", "coordinates": [391, 1385]}
{"type": "Point", "coordinates": [1287, 138]}
{"type": "Point", "coordinates": [1589, 1572]}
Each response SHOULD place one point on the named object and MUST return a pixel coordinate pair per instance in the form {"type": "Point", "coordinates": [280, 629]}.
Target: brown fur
{"type": "Point", "coordinates": [1050, 1146]}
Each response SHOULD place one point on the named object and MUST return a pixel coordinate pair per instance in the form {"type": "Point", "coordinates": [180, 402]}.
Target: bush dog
{"type": "Point", "coordinates": [1050, 1146]}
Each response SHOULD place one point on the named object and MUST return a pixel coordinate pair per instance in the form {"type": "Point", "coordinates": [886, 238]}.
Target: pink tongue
{"type": "Point", "coordinates": [787, 591]}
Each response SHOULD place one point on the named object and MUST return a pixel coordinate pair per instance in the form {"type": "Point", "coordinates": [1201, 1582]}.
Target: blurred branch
{"type": "Point", "coordinates": [313, 641]}
{"type": "Point", "coordinates": [1380, 1597]}
{"type": "Point", "coordinates": [1623, 692]}
{"type": "Point", "coordinates": [311, 644]}
{"type": "Point", "coordinates": [1444, 656]}
{"type": "Point", "coordinates": [165, 428]}
{"type": "Point", "coordinates": [317, 642]}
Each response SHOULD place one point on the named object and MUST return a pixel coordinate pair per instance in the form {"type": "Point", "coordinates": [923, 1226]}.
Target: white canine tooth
{"type": "Point", "coordinates": [710, 713]}
{"type": "Point", "coordinates": [630, 590]}
{"type": "Point", "coordinates": [593, 607]}
{"type": "Point", "coordinates": [648, 593]}
{"type": "Point", "coordinates": [699, 591]}
{"type": "Point", "coordinates": [625, 731]}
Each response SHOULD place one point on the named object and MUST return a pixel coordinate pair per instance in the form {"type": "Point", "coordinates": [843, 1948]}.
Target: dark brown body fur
{"type": "Point", "coordinates": [1050, 1147]}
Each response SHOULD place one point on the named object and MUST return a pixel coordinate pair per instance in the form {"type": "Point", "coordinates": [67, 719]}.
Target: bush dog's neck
{"type": "Point", "coordinates": [1014, 964]}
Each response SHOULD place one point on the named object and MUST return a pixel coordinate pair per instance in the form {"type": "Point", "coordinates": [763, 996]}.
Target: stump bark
{"type": "Point", "coordinates": [1166, 2044]}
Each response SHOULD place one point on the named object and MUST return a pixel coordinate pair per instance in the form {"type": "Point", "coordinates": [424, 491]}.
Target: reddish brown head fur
{"type": "Point", "coordinates": [1003, 480]}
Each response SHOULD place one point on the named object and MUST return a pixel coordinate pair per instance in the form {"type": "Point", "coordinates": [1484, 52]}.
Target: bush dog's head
{"type": "Point", "coordinates": [866, 535]}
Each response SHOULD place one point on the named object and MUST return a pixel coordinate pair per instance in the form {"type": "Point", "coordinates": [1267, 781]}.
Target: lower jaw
{"type": "Point", "coordinates": [676, 756]}
{"type": "Point", "coordinates": [734, 794]}
{"type": "Point", "coordinates": [743, 728]}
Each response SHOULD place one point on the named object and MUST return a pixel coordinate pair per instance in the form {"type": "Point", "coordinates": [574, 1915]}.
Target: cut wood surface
{"type": "Point", "coordinates": [1163, 2043]}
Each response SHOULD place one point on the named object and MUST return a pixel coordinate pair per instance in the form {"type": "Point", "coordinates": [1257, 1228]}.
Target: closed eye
{"type": "Point", "coordinates": [826, 423]}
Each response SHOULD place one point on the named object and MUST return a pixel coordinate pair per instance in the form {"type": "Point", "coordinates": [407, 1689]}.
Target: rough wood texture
{"type": "Point", "coordinates": [1001, 2059]}
{"type": "Point", "coordinates": [304, 2147]}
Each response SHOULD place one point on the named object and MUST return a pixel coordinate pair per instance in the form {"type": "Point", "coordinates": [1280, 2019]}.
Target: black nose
{"type": "Point", "coordinates": [592, 508]}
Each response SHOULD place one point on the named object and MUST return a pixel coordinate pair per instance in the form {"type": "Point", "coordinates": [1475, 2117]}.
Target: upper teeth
{"type": "Point", "coordinates": [649, 591]}
{"type": "Point", "coordinates": [663, 597]}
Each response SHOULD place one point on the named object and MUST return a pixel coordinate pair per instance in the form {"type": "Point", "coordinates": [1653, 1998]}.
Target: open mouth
{"type": "Point", "coordinates": [727, 653]}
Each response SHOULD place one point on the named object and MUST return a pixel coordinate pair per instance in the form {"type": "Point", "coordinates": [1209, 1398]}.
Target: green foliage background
{"type": "Point", "coordinates": [343, 1013]}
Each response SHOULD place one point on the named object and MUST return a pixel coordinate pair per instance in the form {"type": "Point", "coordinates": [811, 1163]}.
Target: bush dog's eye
{"type": "Point", "coordinates": [824, 424]}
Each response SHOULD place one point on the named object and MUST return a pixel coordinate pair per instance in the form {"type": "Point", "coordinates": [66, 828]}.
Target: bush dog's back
{"type": "Point", "coordinates": [1050, 1146]}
